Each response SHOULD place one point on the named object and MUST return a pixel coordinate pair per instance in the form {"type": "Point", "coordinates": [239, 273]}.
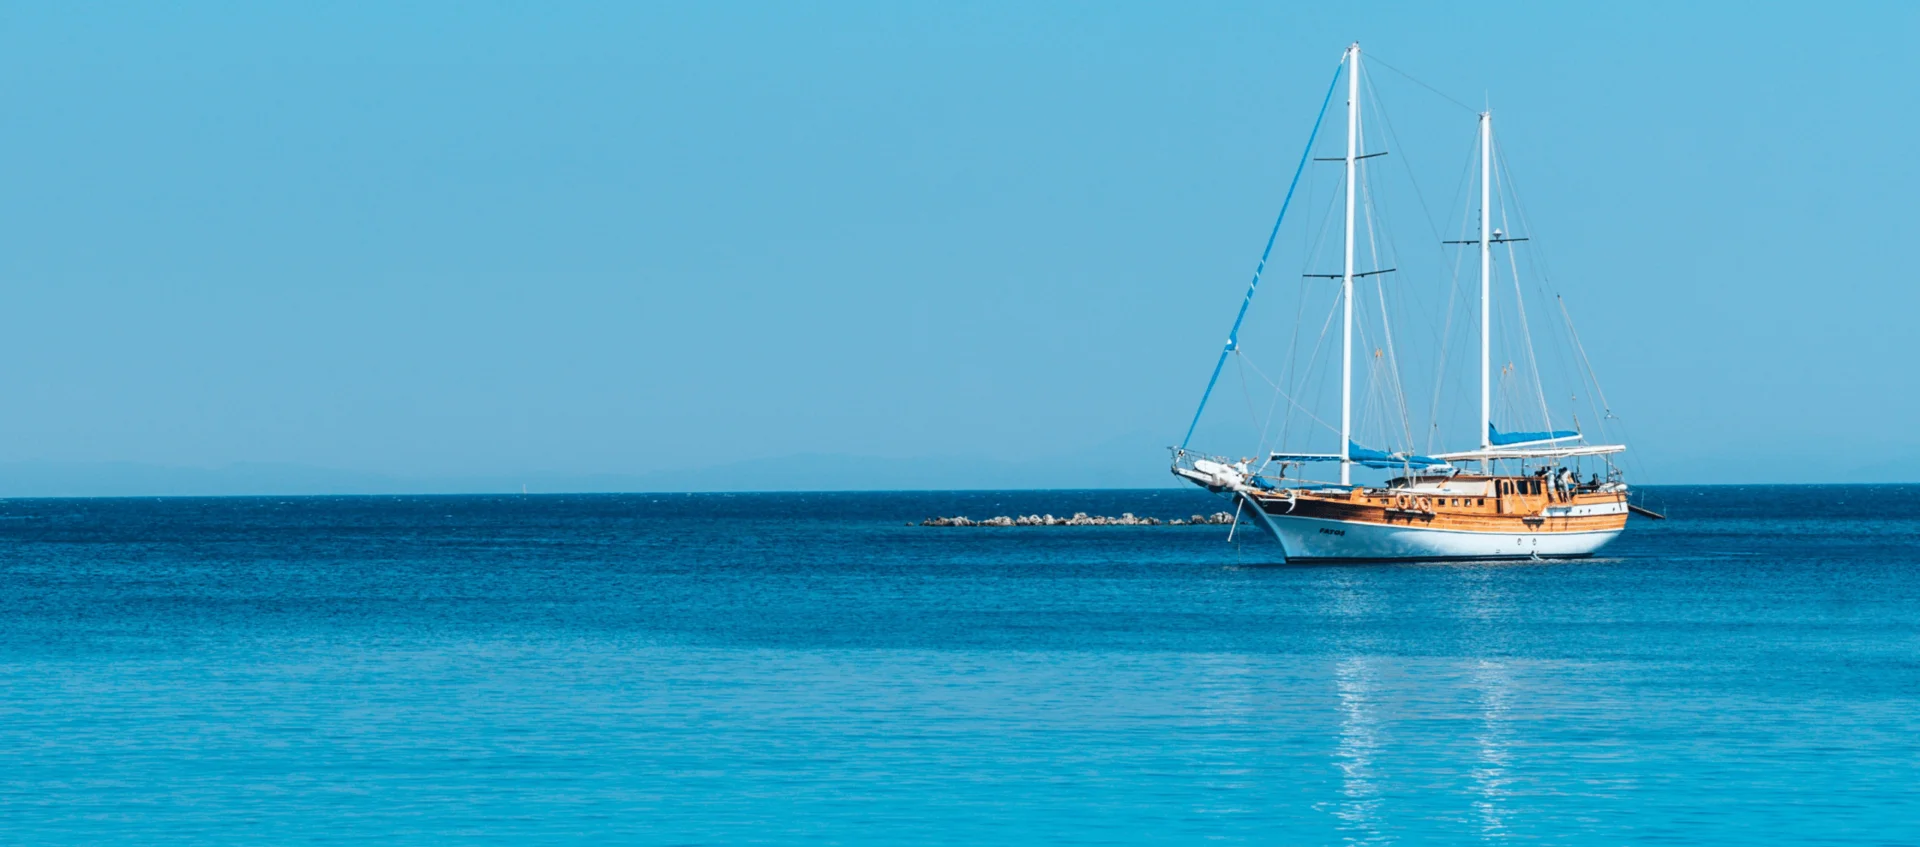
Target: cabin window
{"type": "Point", "coordinates": [1480, 502]}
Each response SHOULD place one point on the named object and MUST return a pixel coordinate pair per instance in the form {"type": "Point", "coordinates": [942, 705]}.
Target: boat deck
{"type": "Point", "coordinates": [1483, 504]}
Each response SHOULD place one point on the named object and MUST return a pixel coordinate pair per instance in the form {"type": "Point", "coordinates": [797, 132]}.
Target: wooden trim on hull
{"type": "Point", "coordinates": [1323, 539]}
{"type": "Point", "coordinates": [1527, 514]}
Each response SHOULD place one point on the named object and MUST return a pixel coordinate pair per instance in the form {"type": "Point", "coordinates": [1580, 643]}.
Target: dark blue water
{"type": "Point", "coordinates": [722, 669]}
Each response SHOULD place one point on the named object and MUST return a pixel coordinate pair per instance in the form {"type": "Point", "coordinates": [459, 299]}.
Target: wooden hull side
{"type": "Point", "coordinates": [1376, 527]}
{"type": "Point", "coordinates": [1586, 513]}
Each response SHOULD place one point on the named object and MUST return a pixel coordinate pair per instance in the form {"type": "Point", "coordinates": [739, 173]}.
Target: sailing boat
{"type": "Point", "coordinates": [1513, 495]}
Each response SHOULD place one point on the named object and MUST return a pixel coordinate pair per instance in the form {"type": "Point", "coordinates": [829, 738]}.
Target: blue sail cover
{"type": "Point", "coordinates": [1361, 455]}
{"type": "Point", "coordinates": [1377, 459]}
{"type": "Point", "coordinates": [1504, 439]}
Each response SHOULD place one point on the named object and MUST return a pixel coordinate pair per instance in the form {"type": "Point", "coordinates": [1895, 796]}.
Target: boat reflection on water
{"type": "Point", "coordinates": [1495, 740]}
{"type": "Point", "coordinates": [1359, 746]}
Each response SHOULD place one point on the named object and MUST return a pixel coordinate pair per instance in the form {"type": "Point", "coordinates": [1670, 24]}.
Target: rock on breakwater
{"type": "Point", "coordinates": [1081, 519]}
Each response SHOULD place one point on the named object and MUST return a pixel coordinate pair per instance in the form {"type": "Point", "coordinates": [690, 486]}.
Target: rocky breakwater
{"type": "Point", "coordinates": [1081, 519]}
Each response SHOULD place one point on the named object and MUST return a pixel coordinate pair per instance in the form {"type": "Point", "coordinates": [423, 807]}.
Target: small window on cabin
{"type": "Point", "coordinates": [1480, 502]}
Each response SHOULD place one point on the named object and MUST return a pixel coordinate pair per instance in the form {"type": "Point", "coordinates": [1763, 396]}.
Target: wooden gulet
{"type": "Point", "coordinates": [1435, 509]}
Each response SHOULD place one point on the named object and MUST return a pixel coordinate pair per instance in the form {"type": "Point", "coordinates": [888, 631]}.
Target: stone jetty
{"type": "Point", "coordinates": [1081, 519]}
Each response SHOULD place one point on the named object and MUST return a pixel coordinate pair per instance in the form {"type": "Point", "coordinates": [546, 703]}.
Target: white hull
{"type": "Point", "coordinates": [1317, 538]}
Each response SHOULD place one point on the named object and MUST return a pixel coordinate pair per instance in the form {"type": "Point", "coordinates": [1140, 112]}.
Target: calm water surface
{"type": "Point", "coordinates": [715, 669]}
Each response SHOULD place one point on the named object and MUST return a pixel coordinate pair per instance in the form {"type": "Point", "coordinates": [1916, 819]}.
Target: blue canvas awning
{"type": "Point", "coordinates": [1507, 439]}
{"type": "Point", "coordinates": [1364, 456]}
{"type": "Point", "coordinates": [1378, 459]}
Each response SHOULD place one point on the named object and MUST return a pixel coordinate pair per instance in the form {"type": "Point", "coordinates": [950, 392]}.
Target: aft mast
{"type": "Point", "coordinates": [1346, 271]}
{"type": "Point", "coordinates": [1486, 268]}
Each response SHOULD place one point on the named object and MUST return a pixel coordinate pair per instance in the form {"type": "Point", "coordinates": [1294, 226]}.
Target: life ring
{"type": "Point", "coordinates": [1404, 501]}
{"type": "Point", "coordinates": [1426, 504]}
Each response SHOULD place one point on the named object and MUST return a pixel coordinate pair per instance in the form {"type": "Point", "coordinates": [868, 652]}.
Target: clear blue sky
{"type": "Point", "coordinates": [447, 240]}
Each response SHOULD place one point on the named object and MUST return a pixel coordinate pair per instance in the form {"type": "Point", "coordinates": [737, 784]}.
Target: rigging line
{"type": "Point", "coordinates": [1281, 392]}
{"type": "Point", "coordinates": [1370, 393]}
{"type": "Point", "coordinates": [1378, 208]}
{"type": "Point", "coordinates": [1309, 240]}
{"type": "Point", "coordinates": [1374, 59]}
{"type": "Point", "coordinates": [1380, 110]}
{"type": "Point", "coordinates": [1251, 417]}
{"type": "Point", "coordinates": [1296, 377]}
{"type": "Point", "coordinates": [1539, 253]}
{"type": "Point", "coordinates": [1563, 356]}
{"type": "Point", "coordinates": [1292, 360]}
{"type": "Point", "coordinates": [1412, 293]}
{"type": "Point", "coordinates": [1384, 394]}
{"type": "Point", "coordinates": [1233, 335]}
{"type": "Point", "coordinates": [1292, 366]}
{"type": "Point", "coordinates": [1583, 353]}
{"type": "Point", "coordinates": [1377, 400]}
{"type": "Point", "coordinates": [1503, 176]}
{"type": "Point", "coordinates": [1375, 210]}
{"type": "Point", "coordinates": [1520, 309]}
{"type": "Point", "coordinates": [1453, 296]}
{"type": "Point", "coordinates": [1386, 326]}
{"type": "Point", "coordinates": [1266, 425]}
{"type": "Point", "coordinates": [1312, 256]}
{"type": "Point", "coordinates": [1318, 344]}
{"type": "Point", "coordinates": [1293, 356]}
{"type": "Point", "coordinates": [1538, 256]}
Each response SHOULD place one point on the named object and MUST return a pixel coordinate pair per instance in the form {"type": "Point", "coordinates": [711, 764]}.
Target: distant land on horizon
{"type": "Point", "coordinates": [806, 472]}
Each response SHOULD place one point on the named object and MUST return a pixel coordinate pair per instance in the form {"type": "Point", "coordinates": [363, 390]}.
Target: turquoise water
{"type": "Point", "coordinates": [721, 669]}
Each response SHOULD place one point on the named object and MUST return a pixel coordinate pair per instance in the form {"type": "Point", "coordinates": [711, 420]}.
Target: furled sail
{"type": "Point", "coordinates": [1378, 459]}
{"type": "Point", "coordinates": [1509, 439]}
{"type": "Point", "coordinates": [1364, 456]}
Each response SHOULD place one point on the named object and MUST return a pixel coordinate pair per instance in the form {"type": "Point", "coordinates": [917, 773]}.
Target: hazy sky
{"type": "Point", "coordinates": [468, 239]}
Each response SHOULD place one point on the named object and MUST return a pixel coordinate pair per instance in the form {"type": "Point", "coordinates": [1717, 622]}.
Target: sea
{"type": "Point", "coordinates": [684, 669]}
